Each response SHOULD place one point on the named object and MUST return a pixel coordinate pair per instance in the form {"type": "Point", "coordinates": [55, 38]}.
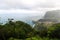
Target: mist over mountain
{"type": "Point", "coordinates": [52, 15]}
{"type": "Point", "coordinates": [55, 14]}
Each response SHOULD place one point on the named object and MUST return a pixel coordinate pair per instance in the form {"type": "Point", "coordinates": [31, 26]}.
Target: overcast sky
{"type": "Point", "coordinates": [31, 7]}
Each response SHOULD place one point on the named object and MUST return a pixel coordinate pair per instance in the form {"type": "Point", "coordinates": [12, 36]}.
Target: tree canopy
{"type": "Point", "coordinates": [16, 29]}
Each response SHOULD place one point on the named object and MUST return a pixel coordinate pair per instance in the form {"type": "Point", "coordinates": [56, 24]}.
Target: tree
{"type": "Point", "coordinates": [54, 31]}
{"type": "Point", "coordinates": [41, 29]}
{"type": "Point", "coordinates": [22, 29]}
{"type": "Point", "coordinates": [16, 29]}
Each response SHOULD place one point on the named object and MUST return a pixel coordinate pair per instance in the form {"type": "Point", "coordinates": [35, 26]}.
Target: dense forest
{"type": "Point", "coordinates": [18, 30]}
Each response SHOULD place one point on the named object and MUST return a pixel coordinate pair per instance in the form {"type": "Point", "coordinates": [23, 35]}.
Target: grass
{"type": "Point", "coordinates": [35, 38]}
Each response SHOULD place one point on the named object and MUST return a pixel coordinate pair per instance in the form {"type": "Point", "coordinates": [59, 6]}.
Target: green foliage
{"type": "Point", "coordinates": [22, 29]}
{"type": "Point", "coordinates": [52, 32]}
{"type": "Point", "coordinates": [41, 30]}
{"type": "Point", "coordinates": [19, 30]}
{"type": "Point", "coordinates": [16, 29]}
{"type": "Point", "coordinates": [55, 31]}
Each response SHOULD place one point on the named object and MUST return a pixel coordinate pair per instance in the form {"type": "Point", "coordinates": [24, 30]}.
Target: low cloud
{"type": "Point", "coordinates": [29, 6]}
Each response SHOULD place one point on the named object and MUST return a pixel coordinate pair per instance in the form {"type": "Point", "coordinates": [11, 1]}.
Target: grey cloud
{"type": "Point", "coordinates": [13, 4]}
{"type": "Point", "coordinates": [47, 5]}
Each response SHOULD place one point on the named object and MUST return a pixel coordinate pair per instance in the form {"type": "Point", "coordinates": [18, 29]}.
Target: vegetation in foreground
{"type": "Point", "coordinates": [19, 30]}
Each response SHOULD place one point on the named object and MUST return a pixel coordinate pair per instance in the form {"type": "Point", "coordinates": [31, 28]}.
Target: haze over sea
{"type": "Point", "coordinates": [19, 17]}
